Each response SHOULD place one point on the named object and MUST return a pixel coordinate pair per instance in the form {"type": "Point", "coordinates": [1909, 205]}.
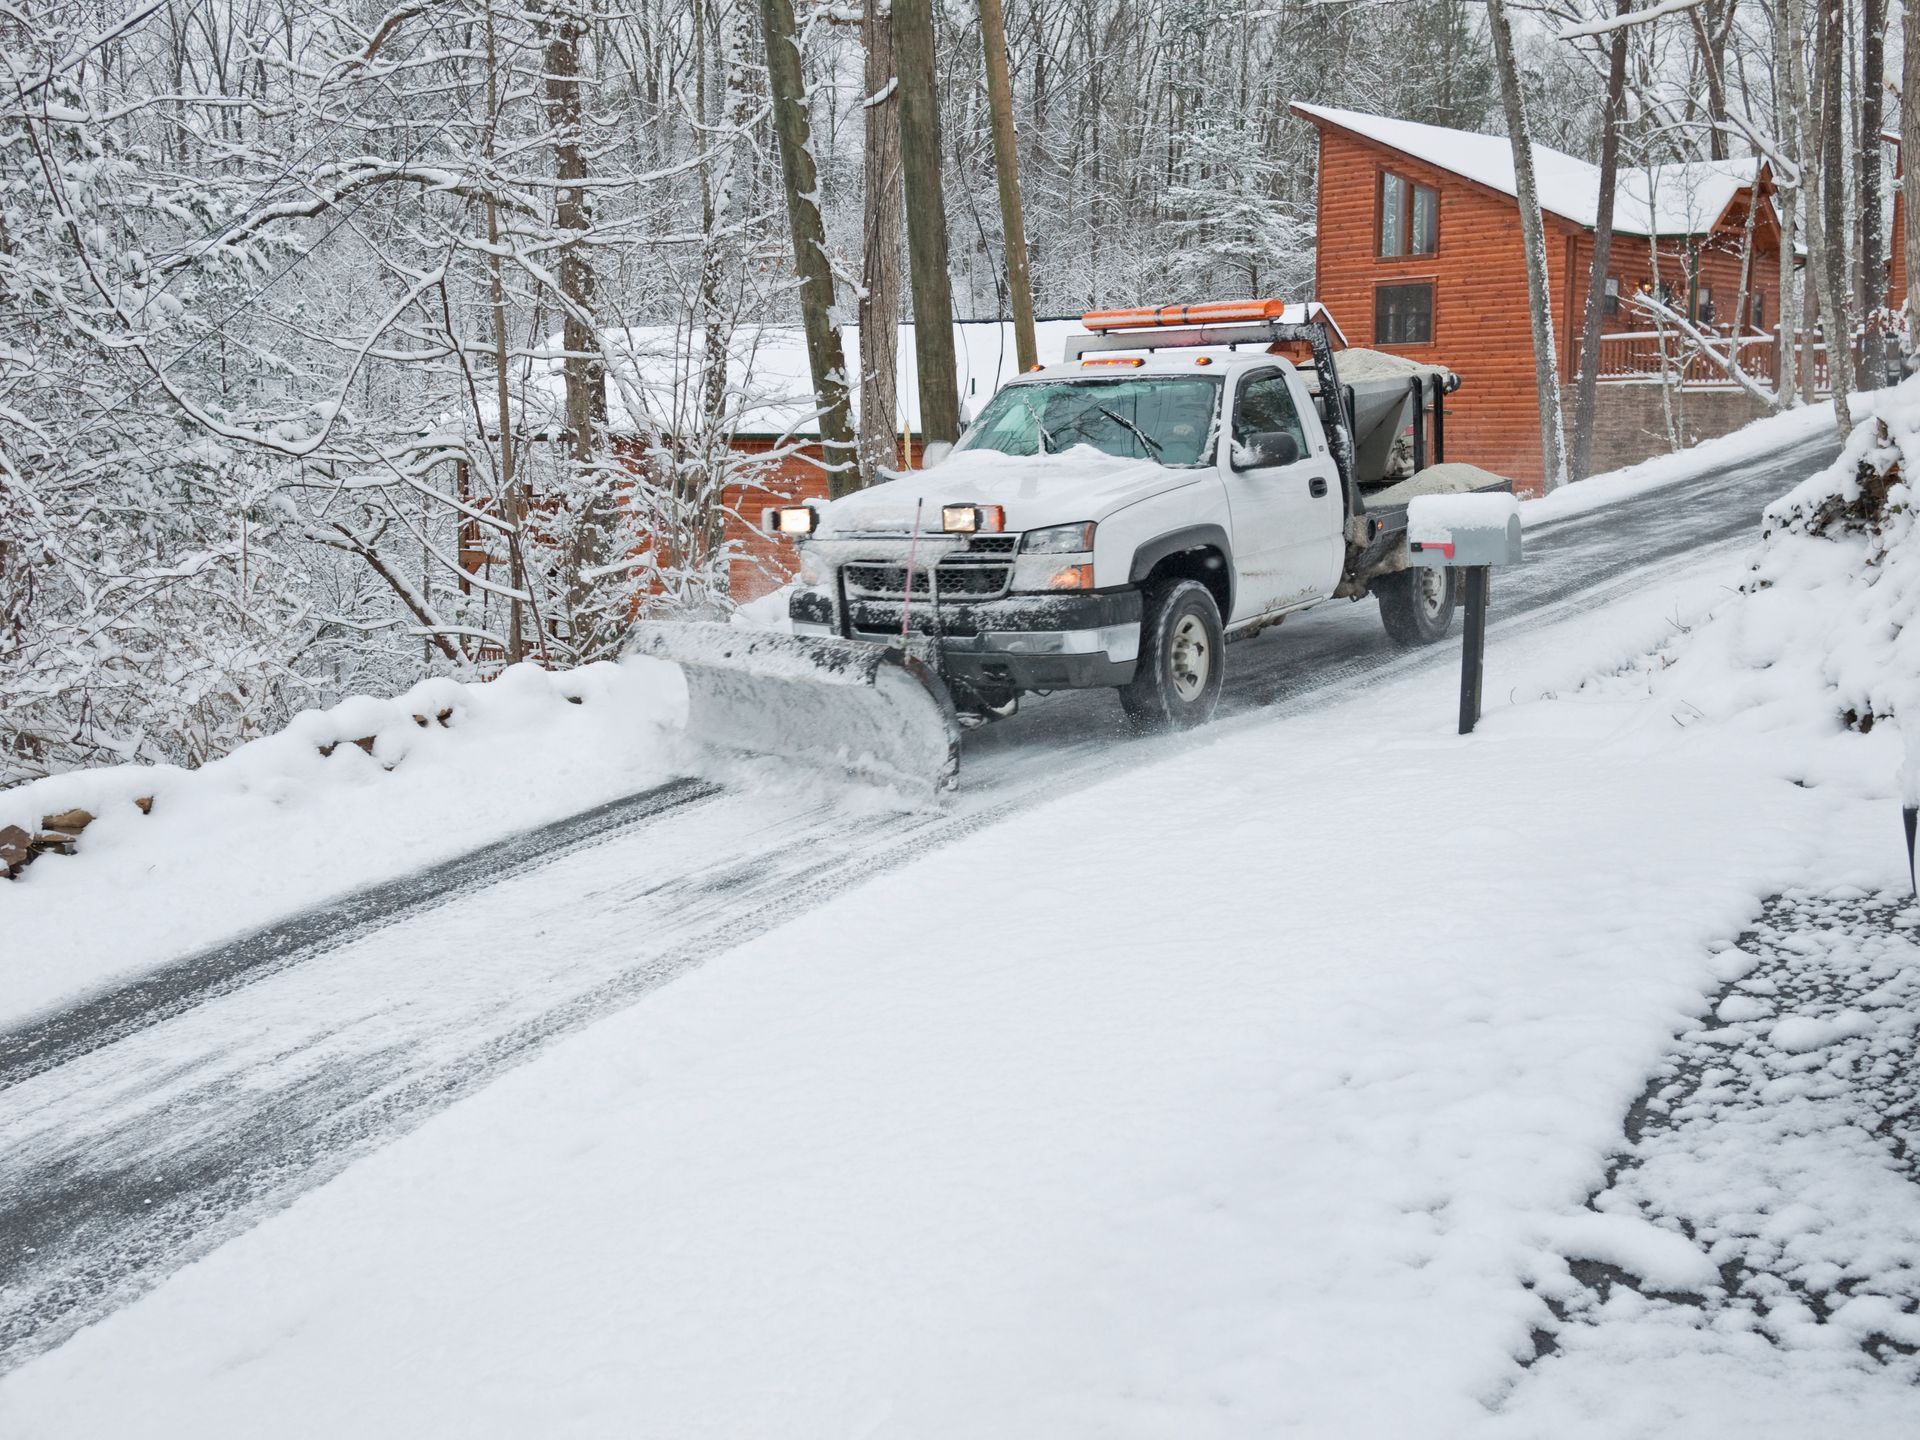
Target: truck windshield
{"type": "Point", "coordinates": [1169, 418]}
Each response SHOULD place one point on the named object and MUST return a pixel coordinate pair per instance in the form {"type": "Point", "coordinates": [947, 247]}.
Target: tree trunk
{"type": "Point", "coordinates": [1594, 319]}
{"type": "Point", "coordinates": [801, 180]}
{"type": "Point", "coordinates": [926, 222]}
{"type": "Point", "coordinates": [718, 179]}
{"type": "Point", "coordinates": [1828, 233]}
{"type": "Point", "coordinates": [880, 262]}
{"type": "Point", "coordinates": [1533, 230]}
{"type": "Point", "coordinates": [511, 510]}
{"type": "Point", "coordinates": [1873, 253]}
{"type": "Point", "coordinates": [1787, 190]}
{"type": "Point", "coordinates": [1910, 163]}
{"type": "Point", "coordinates": [583, 370]}
{"type": "Point", "coordinates": [1006, 165]}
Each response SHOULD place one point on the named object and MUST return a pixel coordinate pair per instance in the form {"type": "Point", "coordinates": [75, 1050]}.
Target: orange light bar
{"type": "Point", "coordinates": [1127, 360]}
{"type": "Point", "coordinates": [1218, 312]}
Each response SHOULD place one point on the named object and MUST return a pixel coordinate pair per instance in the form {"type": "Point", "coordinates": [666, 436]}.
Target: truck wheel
{"type": "Point", "coordinates": [1177, 681]}
{"type": "Point", "coordinates": [1416, 606]}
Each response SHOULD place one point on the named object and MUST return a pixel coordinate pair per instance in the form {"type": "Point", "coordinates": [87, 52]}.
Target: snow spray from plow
{"type": "Point", "coordinates": [879, 711]}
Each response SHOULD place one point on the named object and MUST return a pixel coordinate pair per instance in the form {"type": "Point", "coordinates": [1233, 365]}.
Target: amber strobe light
{"type": "Point", "coordinates": [1218, 312]}
{"type": "Point", "coordinates": [972, 519]}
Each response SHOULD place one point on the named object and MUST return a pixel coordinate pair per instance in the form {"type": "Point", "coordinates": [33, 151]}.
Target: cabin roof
{"type": "Point", "coordinates": [1675, 198]}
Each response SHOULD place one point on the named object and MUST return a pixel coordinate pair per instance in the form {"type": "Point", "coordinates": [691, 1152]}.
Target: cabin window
{"type": "Point", "coordinates": [1409, 217]}
{"type": "Point", "coordinates": [1611, 304]}
{"type": "Point", "coordinates": [1703, 310]}
{"type": "Point", "coordinates": [1403, 315]}
{"type": "Point", "coordinates": [1759, 311]}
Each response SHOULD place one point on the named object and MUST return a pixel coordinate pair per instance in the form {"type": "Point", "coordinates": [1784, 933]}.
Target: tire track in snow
{"type": "Point", "coordinates": [27, 1050]}
{"type": "Point", "coordinates": [149, 1145]}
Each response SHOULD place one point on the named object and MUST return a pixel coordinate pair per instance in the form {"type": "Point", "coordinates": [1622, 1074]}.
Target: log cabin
{"type": "Point", "coordinates": [1418, 251]}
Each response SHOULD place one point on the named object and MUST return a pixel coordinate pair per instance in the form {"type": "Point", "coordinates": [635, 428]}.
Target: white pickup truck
{"type": "Point", "coordinates": [1118, 518]}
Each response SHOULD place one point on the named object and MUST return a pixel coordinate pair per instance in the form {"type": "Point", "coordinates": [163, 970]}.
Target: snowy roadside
{"type": "Point", "coordinates": [279, 825]}
{"type": "Point", "coordinates": [1766, 436]}
{"type": "Point", "coordinates": [1260, 1089]}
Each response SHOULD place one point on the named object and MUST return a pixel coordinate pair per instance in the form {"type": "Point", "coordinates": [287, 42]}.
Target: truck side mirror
{"type": "Point", "coordinates": [1267, 447]}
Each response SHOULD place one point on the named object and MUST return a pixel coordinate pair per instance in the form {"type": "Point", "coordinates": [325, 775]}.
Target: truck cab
{"type": "Point", "coordinates": [1173, 484]}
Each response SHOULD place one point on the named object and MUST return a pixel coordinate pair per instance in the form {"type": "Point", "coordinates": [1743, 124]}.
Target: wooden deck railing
{"type": "Point", "coordinates": [1639, 357]}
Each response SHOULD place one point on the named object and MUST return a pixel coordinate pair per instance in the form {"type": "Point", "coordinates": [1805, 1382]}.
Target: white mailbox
{"type": "Point", "coordinates": [1469, 533]}
{"type": "Point", "coordinates": [1463, 531]}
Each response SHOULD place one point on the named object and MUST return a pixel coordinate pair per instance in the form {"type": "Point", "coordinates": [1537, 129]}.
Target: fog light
{"type": "Point", "coordinates": [790, 520]}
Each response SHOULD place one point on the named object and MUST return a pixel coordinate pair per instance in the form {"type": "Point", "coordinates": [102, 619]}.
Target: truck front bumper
{"type": "Point", "coordinates": [1021, 642]}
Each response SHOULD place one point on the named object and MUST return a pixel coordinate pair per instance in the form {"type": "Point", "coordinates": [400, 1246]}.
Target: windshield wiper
{"type": "Point", "coordinates": [1153, 446]}
{"type": "Point", "coordinates": [1046, 439]}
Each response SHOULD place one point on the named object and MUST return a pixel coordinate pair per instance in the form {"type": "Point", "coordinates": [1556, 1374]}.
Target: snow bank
{"type": "Point", "coordinates": [294, 818]}
{"type": "Point", "coordinates": [1805, 425]}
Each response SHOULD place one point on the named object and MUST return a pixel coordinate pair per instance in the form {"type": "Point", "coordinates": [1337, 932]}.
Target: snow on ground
{"type": "Point", "coordinates": [1781, 1141]}
{"type": "Point", "coordinates": [277, 826]}
{"type": "Point", "coordinates": [1259, 1091]}
{"type": "Point", "coordinates": [1763, 437]}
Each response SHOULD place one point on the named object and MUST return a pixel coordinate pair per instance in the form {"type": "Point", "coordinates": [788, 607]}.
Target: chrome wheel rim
{"type": "Point", "coordinates": [1433, 592]}
{"type": "Point", "coordinates": [1189, 658]}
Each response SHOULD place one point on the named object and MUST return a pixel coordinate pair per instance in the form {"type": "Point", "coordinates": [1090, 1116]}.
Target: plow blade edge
{"type": "Point", "coordinates": [875, 710]}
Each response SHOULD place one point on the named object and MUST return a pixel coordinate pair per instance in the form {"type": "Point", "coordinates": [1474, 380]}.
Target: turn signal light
{"type": "Point", "coordinates": [972, 519]}
{"type": "Point", "coordinates": [790, 520]}
{"type": "Point", "coordinates": [1073, 577]}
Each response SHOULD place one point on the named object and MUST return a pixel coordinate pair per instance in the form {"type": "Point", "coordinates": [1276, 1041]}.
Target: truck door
{"type": "Point", "coordinates": [1287, 519]}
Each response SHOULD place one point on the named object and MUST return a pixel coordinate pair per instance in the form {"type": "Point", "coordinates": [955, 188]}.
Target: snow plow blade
{"type": "Point", "coordinates": [878, 711]}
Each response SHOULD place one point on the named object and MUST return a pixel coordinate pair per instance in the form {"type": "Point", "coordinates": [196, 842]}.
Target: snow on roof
{"type": "Point", "coordinates": [1668, 199]}
{"type": "Point", "coordinates": [656, 382]}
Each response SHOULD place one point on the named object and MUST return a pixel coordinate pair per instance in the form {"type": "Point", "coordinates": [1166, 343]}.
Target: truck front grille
{"type": "Point", "coordinates": [982, 571]}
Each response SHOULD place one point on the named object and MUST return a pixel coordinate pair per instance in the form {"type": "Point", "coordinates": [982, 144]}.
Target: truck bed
{"type": "Point", "coordinates": [1445, 479]}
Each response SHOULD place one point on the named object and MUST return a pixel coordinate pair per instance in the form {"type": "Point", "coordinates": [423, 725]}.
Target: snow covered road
{"type": "Point", "coordinates": [148, 1144]}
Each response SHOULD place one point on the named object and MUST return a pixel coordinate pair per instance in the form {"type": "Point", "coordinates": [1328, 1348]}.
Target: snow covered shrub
{"type": "Point", "coordinates": [1837, 582]}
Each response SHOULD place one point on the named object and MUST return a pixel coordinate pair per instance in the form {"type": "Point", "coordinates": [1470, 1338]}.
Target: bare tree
{"type": "Point", "coordinates": [1006, 165]}
{"type": "Point", "coordinates": [1873, 260]}
{"type": "Point", "coordinates": [1533, 235]}
{"type": "Point", "coordinates": [881, 234]}
{"type": "Point", "coordinates": [794, 131]}
{"type": "Point", "coordinates": [1614, 116]}
{"type": "Point", "coordinates": [1910, 160]}
{"type": "Point", "coordinates": [1827, 233]}
{"type": "Point", "coordinates": [926, 223]}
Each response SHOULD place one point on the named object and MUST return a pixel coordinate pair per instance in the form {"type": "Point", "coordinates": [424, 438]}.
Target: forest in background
{"type": "Point", "coordinates": [306, 310]}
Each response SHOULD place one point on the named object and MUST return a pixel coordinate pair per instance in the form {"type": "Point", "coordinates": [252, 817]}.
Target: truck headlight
{"type": "Point", "coordinates": [972, 519]}
{"type": "Point", "coordinates": [1059, 540]}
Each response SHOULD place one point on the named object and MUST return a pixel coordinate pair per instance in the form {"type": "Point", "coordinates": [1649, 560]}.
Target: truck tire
{"type": "Point", "coordinates": [1416, 606]}
{"type": "Point", "coordinates": [1176, 684]}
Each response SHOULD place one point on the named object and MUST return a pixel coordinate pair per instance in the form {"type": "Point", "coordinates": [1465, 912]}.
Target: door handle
{"type": "Point", "coordinates": [1316, 487]}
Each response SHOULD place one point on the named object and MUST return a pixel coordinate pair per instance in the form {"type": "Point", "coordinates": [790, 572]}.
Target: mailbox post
{"type": "Point", "coordinates": [1471, 533]}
